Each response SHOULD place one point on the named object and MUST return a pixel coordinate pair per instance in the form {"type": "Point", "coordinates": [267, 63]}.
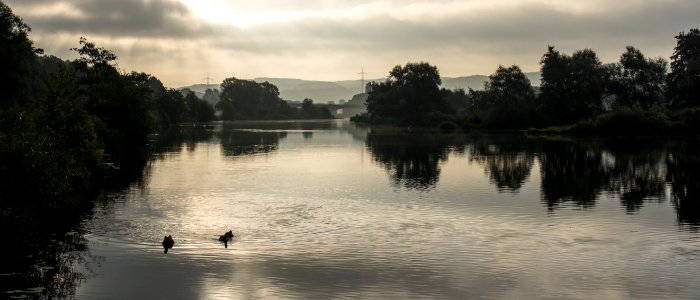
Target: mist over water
{"type": "Point", "coordinates": [331, 210]}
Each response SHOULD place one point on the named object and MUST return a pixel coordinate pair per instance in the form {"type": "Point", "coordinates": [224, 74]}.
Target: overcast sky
{"type": "Point", "coordinates": [181, 41]}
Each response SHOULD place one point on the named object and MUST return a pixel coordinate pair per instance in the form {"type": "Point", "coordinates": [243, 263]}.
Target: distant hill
{"type": "Point", "coordinates": [476, 82]}
{"type": "Point", "coordinates": [325, 91]}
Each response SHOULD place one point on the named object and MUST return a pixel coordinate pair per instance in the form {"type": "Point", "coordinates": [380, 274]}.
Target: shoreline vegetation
{"type": "Point", "coordinates": [578, 94]}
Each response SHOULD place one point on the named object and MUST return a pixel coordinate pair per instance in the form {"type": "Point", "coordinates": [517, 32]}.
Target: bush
{"type": "Point", "coordinates": [687, 120]}
{"type": "Point", "coordinates": [625, 122]}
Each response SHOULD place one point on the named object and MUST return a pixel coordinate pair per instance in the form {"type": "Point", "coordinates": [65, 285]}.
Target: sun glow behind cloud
{"type": "Point", "coordinates": [259, 13]}
{"type": "Point", "coordinates": [247, 14]}
{"type": "Point", "coordinates": [180, 41]}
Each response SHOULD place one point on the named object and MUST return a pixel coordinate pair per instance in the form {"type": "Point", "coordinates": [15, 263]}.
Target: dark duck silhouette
{"type": "Point", "coordinates": [168, 243]}
{"type": "Point", "coordinates": [228, 236]}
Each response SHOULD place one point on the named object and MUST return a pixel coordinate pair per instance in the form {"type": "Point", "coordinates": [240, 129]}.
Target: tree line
{"type": "Point", "coordinates": [578, 93]}
{"type": "Point", "coordinates": [242, 99]}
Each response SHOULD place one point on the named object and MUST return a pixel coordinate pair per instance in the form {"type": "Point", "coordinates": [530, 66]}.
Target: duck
{"type": "Point", "coordinates": [226, 237]}
{"type": "Point", "coordinates": [168, 243]}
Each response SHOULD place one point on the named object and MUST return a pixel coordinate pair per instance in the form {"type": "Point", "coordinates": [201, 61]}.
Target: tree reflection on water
{"type": "Point", "coordinates": [573, 171]}
{"type": "Point", "coordinates": [637, 171]}
{"type": "Point", "coordinates": [682, 174]}
{"type": "Point", "coordinates": [48, 256]}
{"type": "Point", "coordinates": [244, 142]}
{"type": "Point", "coordinates": [506, 160]}
{"type": "Point", "coordinates": [411, 161]}
{"type": "Point", "coordinates": [41, 256]}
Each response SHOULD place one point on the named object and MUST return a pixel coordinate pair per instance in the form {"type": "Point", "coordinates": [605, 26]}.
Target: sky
{"type": "Point", "coordinates": [182, 42]}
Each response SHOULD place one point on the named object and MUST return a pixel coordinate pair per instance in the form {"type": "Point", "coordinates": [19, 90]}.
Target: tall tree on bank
{"type": "Point", "coordinates": [507, 100]}
{"type": "Point", "coordinates": [638, 82]}
{"type": "Point", "coordinates": [684, 79]}
{"type": "Point", "coordinates": [410, 95]}
{"type": "Point", "coordinates": [572, 86]}
{"type": "Point", "coordinates": [18, 58]}
{"type": "Point", "coordinates": [120, 102]}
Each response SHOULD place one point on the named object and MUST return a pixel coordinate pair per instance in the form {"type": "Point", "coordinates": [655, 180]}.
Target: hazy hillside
{"type": "Point", "coordinates": [319, 91]}
{"type": "Point", "coordinates": [476, 82]}
{"type": "Point", "coordinates": [324, 91]}
{"type": "Point", "coordinates": [200, 88]}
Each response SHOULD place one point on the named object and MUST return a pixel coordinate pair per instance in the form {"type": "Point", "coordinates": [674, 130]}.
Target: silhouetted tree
{"type": "Point", "coordinates": [311, 111]}
{"type": "Point", "coordinates": [239, 98]}
{"type": "Point", "coordinates": [197, 110]}
{"type": "Point", "coordinates": [121, 103]}
{"type": "Point", "coordinates": [171, 107]}
{"type": "Point", "coordinates": [638, 82]}
{"type": "Point", "coordinates": [18, 59]}
{"type": "Point", "coordinates": [307, 104]}
{"type": "Point", "coordinates": [684, 79]}
{"type": "Point", "coordinates": [507, 100]}
{"type": "Point", "coordinates": [247, 99]}
{"type": "Point", "coordinates": [457, 99]}
{"type": "Point", "coordinates": [410, 95]}
{"type": "Point", "coordinates": [211, 96]}
{"type": "Point", "coordinates": [572, 87]}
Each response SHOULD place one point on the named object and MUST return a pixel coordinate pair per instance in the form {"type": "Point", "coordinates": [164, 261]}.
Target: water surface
{"type": "Point", "coordinates": [330, 210]}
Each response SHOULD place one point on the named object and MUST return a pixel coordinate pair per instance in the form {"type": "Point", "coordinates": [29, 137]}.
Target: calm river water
{"type": "Point", "coordinates": [324, 210]}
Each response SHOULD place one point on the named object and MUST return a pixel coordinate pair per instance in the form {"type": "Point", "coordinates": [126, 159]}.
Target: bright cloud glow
{"type": "Point", "coordinates": [181, 41]}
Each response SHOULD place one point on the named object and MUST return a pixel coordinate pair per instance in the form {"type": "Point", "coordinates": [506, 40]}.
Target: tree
{"type": "Point", "coordinates": [636, 81]}
{"type": "Point", "coordinates": [247, 99]}
{"type": "Point", "coordinates": [572, 87]}
{"type": "Point", "coordinates": [197, 110]}
{"type": "Point", "coordinates": [410, 95]}
{"type": "Point", "coordinates": [509, 86]}
{"type": "Point", "coordinates": [684, 79]}
{"type": "Point", "coordinates": [93, 56]}
{"type": "Point", "coordinates": [171, 107]}
{"type": "Point", "coordinates": [307, 105]}
{"type": "Point", "coordinates": [458, 99]}
{"type": "Point", "coordinates": [507, 100]}
{"type": "Point", "coordinates": [211, 96]}
{"type": "Point", "coordinates": [383, 102]}
{"type": "Point", "coordinates": [311, 111]}
{"type": "Point", "coordinates": [239, 98]}
{"type": "Point", "coordinates": [18, 58]}
{"type": "Point", "coordinates": [119, 102]}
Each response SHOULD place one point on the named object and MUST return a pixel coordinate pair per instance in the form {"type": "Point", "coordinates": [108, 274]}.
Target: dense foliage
{"type": "Point", "coordinates": [684, 79]}
{"type": "Point", "coordinates": [508, 99]}
{"type": "Point", "coordinates": [64, 125]}
{"type": "Point", "coordinates": [408, 96]}
{"type": "Point", "coordinates": [636, 93]}
{"type": "Point", "coordinates": [248, 100]}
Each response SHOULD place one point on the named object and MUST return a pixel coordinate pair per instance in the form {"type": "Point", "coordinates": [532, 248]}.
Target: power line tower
{"type": "Point", "coordinates": [207, 79]}
{"type": "Point", "coordinates": [362, 88]}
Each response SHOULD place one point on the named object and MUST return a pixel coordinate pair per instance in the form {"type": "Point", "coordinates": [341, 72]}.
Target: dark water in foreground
{"type": "Point", "coordinates": [330, 210]}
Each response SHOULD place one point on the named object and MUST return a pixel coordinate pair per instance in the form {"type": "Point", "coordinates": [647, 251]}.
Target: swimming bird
{"type": "Point", "coordinates": [228, 236]}
{"type": "Point", "coordinates": [168, 243]}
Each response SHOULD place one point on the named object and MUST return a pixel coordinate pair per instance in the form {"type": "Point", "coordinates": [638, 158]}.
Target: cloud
{"type": "Point", "coordinates": [326, 39]}
{"type": "Point", "coordinates": [123, 18]}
